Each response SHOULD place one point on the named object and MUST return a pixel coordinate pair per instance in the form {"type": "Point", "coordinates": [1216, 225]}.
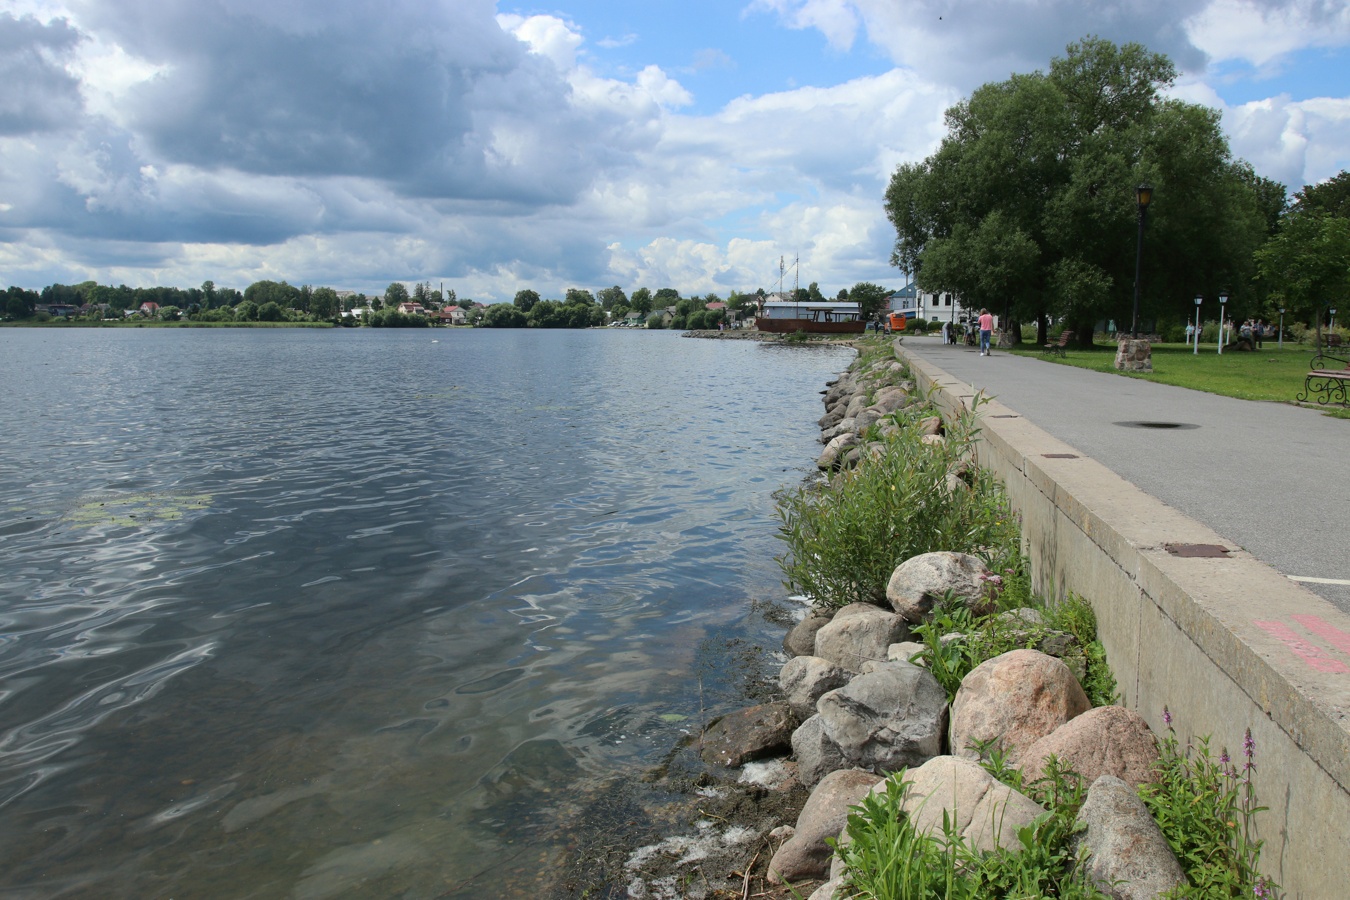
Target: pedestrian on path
{"type": "Point", "coordinates": [986, 330]}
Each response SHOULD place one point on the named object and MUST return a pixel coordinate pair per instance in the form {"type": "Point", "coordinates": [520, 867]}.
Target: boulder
{"type": "Point", "coordinates": [835, 450]}
{"type": "Point", "coordinates": [921, 581]}
{"type": "Point", "coordinates": [805, 854]}
{"type": "Point", "coordinates": [856, 404]}
{"type": "Point", "coordinates": [930, 425]}
{"type": "Point", "coordinates": [865, 419]}
{"type": "Point", "coordinates": [828, 890]}
{"type": "Point", "coordinates": [752, 733]}
{"type": "Point", "coordinates": [1128, 857]}
{"type": "Point", "coordinates": [984, 811]}
{"type": "Point", "coordinates": [889, 399]}
{"type": "Point", "coordinates": [801, 640]}
{"type": "Point", "coordinates": [817, 755]}
{"type": "Point", "coordinates": [844, 426]}
{"type": "Point", "coordinates": [859, 632]}
{"type": "Point", "coordinates": [894, 715]}
{"type": "Point", "coordinates": [1108, 740]}
{"type": "Point", "coordinates": [933, 440]}
{"type": "Point", "coordinates": [803, 680]}
{"type": "Point", "coordinates": [902, 651]}
{"type": "Point", "coordinates": [1012, 701]}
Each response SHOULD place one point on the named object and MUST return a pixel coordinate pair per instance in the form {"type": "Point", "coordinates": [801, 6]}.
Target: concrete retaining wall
{"type": "Point", "coordinates": [1226, 643]}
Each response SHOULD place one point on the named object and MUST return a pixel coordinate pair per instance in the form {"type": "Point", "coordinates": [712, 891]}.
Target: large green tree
{"type": "Point", "coordinates": [1028, 206]}
{"type": "Point", "coordinates": [1307, 265]}
{"type": "Point", "coordinates": [869, 297]}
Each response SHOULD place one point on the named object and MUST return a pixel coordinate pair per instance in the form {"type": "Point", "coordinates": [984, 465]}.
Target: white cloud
{"type": "Point", "coordinates": [1260, 32]}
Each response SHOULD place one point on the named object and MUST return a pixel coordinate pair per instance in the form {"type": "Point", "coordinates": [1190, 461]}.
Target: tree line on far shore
{"type": "Point", "coordinates": [278, 301]}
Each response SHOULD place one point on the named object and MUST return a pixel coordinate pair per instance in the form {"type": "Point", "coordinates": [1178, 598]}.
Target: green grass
{"type": "Point", "coordinates": [1267, 374]}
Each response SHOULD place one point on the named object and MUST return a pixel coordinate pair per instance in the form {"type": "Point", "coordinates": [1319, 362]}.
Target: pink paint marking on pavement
{"type": "Point", "coordinates": [1312, 654]}
{"type": "Point", "coordinates": [1326, 631]}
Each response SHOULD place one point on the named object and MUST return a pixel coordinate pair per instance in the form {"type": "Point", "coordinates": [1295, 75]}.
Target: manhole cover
{"type": "Point", "coordinates": [1161, 425]}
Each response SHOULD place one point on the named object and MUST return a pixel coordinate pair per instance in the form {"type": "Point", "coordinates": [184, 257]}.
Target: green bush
{"type": "Point", "coordinates": [917, 326]}
{"type": "Point", "coordinates": [887, 859]}
{"type": "Point", "coordinates": [847, 536]}
{"type": "Point", "coordinates": [1206, 808]}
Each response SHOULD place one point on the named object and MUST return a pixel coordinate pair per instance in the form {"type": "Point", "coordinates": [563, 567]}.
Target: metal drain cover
{"type": "Point", "coordinates": [1198, 551]}
{"type": "Point", "coordinates": [1159, 425]}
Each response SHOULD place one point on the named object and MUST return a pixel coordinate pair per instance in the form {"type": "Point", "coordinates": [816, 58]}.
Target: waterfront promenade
{"type": "Point", "coordinates": [1271, 477]}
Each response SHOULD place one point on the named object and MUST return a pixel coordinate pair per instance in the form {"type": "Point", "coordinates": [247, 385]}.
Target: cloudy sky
{"type": "Point", "coordinates": [494, 146]}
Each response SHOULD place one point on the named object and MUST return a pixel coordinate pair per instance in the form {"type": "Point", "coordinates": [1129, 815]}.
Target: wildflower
{"type": "Point", "coordinates": [1223, 757]}
{"type": "Point", "coordinates": [1248, 744]}
{"type": "Point", "coordinates": [1261, 889]}
{"type": "Point", "coordinates": [1167, 717]}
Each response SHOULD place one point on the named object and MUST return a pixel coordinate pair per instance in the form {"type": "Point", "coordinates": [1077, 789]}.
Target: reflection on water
{"type": "Point", "coordinates": [352, 613]}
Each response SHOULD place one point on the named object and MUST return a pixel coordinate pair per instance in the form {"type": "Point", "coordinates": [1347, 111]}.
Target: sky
{"type": "Point", "coordinates": [489, 147]}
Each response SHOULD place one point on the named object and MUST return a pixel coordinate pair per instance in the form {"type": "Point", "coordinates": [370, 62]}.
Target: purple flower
{"type": "Point", "coordinates": [1223, 757]}
{"type": "Point", "coordinates": [1248, 744]}
{"type": "Point", "coordinates": [1262, 889]}
{"type": "Point", "coordinates": [1167, 717]}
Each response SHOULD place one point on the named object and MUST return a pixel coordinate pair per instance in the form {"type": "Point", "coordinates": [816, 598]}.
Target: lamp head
{"type": "Point", "coordinates": [1198, 299]}
{"type": "Point", "coordinates": [1143, 195]}
{"type": "Point", "coordinates": [1223, 298]}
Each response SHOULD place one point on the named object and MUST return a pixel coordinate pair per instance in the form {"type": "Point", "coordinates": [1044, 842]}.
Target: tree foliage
{"type": "Point", "coordinates": [525, 300]}
{"type": "Point", "coordinates": [869, 297]}
{"type": "Point", "coordinates": [1028, 206]}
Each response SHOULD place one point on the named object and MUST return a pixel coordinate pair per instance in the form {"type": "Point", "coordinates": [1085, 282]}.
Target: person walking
{"type": "Point", "coordinates": [986, 330]}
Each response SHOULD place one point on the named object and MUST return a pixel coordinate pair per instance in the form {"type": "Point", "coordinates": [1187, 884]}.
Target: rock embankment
{"type": "Point", "coordinates": [857, 705]}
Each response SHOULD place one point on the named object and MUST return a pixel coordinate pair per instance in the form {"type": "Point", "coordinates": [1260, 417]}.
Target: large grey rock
{"type": "Point", "coordinates": [921, 581]}
{"type": "Point", "coordinates": [805, 678]}
{"type": "Point", "coordinates": [984, 811]}
{"type": "Point", "coordinates": [1128, 857]}
{"type": "Point", "coordinates": [894, 715]}
{"type": "Point", "coordinates": [859, 632]}
{"type": "Point", "coordinates": [889, 399]}
{"type": "Point", "coordinates": [816, 753]}
{"type": "Point", "coordinates": [902, 651]}
{"type": "Point", "coordinates": [1108, 740]}
{"type": "Point", "coordinates": [801, 640]}
{"type": "Point", "coordinates": [1012, 701]}
{"type": "Point", "coordinates": [828, 890]}
{"type": "Point", "coordinates": [844, 426]}
{"type": "Point", "coordinates": [856, 404]}
{"type": "Point", "coordinates": [832, 456]}
{"type": "Point", "coordinates": [805, 854]}
{"type": "Point", "coordinates": [748, 734]}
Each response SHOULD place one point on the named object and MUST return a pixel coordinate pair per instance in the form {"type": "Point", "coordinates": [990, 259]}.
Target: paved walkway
{"type": "Point", "coordinates": [1270, 477]}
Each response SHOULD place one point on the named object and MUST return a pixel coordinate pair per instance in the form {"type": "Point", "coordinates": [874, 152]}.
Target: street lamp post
{"type": "Point", "coordinates": [1281, 343]}
{"type": "Point", "coordinates": [1223, 300]}
{"type": "Point", "coordinates": [1143, 196]}
{"type": "Point", "coordinates": [1198, 300]}
{"type": "Point", "coordinates": [1333, 319]}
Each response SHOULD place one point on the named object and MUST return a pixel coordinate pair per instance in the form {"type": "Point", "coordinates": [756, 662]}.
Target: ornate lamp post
{"type": "Point", "coordinates": [1143, 196]}
{"type": "Point", "coordinates": [1198, 300]}
{"type": "Point", "coordinates": [1281, 342]}
{"type": "Point", "coordinates": [1223, 301]}
{"type": "Point", "coordinates": [1333, 319]}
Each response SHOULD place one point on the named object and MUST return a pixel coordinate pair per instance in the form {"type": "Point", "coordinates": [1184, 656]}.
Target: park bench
{"type": "Point", "coordinates": [1056, 348]}
{"type": "Point", "coordinates": [1325, 383]}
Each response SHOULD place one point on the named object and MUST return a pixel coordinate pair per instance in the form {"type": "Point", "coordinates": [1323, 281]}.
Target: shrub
{"type": "Point", "coordinates": [887, 859]}
{"type": "Point", "coordinates": [918, 326]}
{"type": "Point", "coordinates": [846, 537]}
{"type": "Point", "coordinates": [1206, 809]}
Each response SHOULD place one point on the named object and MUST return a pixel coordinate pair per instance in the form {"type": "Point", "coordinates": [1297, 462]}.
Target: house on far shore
{"type": "Point", "coordinates": [451, 315]}
{"type": "Point", "coordinates": [412, 308]}
{"type": "Point", "coordinates": [148, 308]}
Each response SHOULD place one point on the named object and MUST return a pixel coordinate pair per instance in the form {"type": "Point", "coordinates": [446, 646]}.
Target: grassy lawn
{"type": "Point", "coordinates": [1267, 374]}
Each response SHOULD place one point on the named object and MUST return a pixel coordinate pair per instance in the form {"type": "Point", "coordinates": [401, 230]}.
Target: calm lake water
{"type": "Point", "coordinates": [294, 613]}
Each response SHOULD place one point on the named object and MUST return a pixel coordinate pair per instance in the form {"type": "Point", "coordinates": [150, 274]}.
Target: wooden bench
{"type": "Point", "coordinates": [1325, 383]}
{"type": "Point", "coordinates": [1056, 348]}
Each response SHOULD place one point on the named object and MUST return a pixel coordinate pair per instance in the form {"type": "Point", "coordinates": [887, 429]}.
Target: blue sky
{"type": "Point", "coordinates": [497, 146]}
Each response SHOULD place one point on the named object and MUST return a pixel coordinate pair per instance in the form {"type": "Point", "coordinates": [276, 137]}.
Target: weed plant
{"type": "Point", "coordinates": [887, 859]}
{"type": "Point", "coordinates": [984, 637]}
{"type": "Point", "coordinates": [845, 537]}
{"type": "Point", "coordinates": [1206, 808]}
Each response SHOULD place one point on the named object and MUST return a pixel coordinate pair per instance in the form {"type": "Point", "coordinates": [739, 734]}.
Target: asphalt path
{"type": "Point", "coordinates": [1271, 477]}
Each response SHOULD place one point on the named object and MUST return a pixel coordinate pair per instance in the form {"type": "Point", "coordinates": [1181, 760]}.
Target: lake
{"type": "Point", "coordinates": [312, 613]}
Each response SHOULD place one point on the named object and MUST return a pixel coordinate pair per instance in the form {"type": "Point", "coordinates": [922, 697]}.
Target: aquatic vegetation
{"type": "Point", "coordinates": [134, 510]}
